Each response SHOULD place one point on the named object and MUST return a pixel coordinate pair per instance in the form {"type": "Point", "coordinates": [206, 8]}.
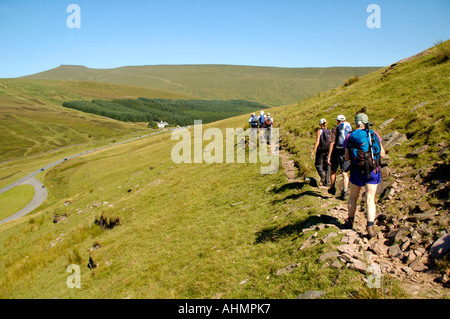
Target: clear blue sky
{"type": "Point", "coordinates": [283, 33]}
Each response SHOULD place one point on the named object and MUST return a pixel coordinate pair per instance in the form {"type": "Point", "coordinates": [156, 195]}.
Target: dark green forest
{"type": "Point", "coordinates": [174, 112]}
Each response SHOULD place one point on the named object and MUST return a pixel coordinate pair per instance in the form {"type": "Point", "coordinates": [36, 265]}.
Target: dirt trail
{"type": "Point", "coordinates": [288, 166]}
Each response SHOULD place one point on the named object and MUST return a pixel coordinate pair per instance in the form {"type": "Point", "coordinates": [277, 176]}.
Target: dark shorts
{"type": "Point", "coordinates": [359, 178]}
{"type": "Point", "coordinates": [338, 160]}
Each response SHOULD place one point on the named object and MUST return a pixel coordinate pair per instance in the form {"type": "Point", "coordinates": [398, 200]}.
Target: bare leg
{"type": "Point", "coordinates": [353, 199]}
{"type": "Point", "coordinates": [332, 178]}
{"type": "Point", "coordinates": [371, 190]}
{"type": "Point", "coordinates": [345, 180]}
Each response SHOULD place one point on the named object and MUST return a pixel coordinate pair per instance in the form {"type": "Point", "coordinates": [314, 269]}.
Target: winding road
{"type": "Point", "coordinates": [40, 191]}
{"type": "Point", "coordinates": [40, 194]}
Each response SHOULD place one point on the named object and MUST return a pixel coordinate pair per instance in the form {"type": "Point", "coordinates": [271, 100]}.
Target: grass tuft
{"type": "Point", "coordinates": [351, 80]}
{"type": "Point", "coordinates": [441, 51]}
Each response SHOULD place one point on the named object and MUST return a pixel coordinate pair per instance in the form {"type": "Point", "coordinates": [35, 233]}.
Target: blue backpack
{"type": "Point", "coordinates": [341, 133]}
{"type": "Point", "coordinates": [365, 150]}
{"type": "Point", "coordinates": [261, 120]}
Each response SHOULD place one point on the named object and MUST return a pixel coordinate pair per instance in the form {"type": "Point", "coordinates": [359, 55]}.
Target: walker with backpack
{"type": "Point", "coordinates": [253, 121]}
{"type": "Point", "coordinates": [268, 122]}
{"type": "Point", "coordinates": [365, 150]}
{"type": "Point", "coordinates": [341, 133]}
{"type": "Point", "coordinates": [325, 137]}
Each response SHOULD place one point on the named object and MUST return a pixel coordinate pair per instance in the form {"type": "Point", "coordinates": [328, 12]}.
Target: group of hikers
{"type": "Point", "coordinates": [263, 123]}
{"type": "Point", "coordinates": [357, 153]}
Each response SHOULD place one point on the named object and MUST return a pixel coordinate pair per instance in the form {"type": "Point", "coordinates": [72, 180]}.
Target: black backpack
{"type": "Point", "coordinates": [324, 143]}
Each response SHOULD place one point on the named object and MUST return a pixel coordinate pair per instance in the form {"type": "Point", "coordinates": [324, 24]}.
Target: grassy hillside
{"type": "Point", "coordinates": [15, 199]}
{"type": "Point", "coordinates": [186, 231]}
{"type": "Point", "coordinates": [414, 92]}
{"type": "Point", "coordinates": [217, 230]}
{"type": "Point", "coordinates": [32, 120]}
{"type": "Point", "coordinates": [34, 124]}
{"type": "Point", "coordinates": [269, 85]}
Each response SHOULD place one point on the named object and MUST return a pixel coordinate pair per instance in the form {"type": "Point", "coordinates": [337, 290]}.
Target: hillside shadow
{"type": "Point", "coordinates": [300, 195]}
{"type": "Point", "coordinates": [289, 186]}
{"type": "Point", "coordinates": [274, 233]}
{"type": "Point", "coordinates": [295, 186]}
{"type": "Point", "coordinates": [311, 181]}
{"type": "Point", "coordinates": [307, 193]}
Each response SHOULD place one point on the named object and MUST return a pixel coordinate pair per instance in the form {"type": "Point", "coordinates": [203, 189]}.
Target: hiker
{"type": "Point", "coordinates": [253, 121]}
{"type": "Point", "coordinates": [364, 149]}
{"type": "Point", "coordinates": [268, 124]}
{"type": "Point", "coordinates": [321, 151]}
{"type": "Point", "coordinates": [261, 119]}
{"type": "Point", "coordinates": [336, 155]}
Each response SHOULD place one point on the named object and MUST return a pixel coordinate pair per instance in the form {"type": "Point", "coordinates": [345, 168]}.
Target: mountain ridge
{"type": "Point", "coordinates": [265, 84]}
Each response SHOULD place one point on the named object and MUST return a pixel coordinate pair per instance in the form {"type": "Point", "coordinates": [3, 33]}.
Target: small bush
{"type": "Point", "coordinates": [107, 222]}
{"type": "Point", "coordinates": [36, 220]}
{"type": "Point", "coordinates": [441, 51]}
{"type": "Point", "coordinates": [351, 81]}
{"type": "Point", "coordinates": [74, 257]}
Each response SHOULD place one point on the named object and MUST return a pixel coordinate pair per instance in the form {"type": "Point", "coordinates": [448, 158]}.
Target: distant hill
{"type": "Point", "coordinates": [32, 120]}
{"type": "Point", "coordinates": [269, 85]}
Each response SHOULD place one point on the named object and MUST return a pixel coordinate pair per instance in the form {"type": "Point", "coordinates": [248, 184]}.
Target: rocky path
{"type": "Point", "coordinates": [405, 248]}
{"type": "Point", "coordinates": [288, 166]}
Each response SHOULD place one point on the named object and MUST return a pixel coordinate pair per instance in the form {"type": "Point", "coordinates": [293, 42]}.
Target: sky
{"type": "Point", "coordinates": [36, 35]}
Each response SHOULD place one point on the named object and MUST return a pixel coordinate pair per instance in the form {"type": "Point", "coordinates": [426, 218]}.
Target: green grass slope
{"type": "Point", "coordinates": [186, 230]}
{"type": "Point", "coordinates": [34, 124]}
{"type": "Point", "coordinates": [269, 85]}
{"type": "Point", "coordinates": [15, 199]}
{"type": "Point", "coordinates": [33, 121]}
{"type": "Point", "coordinates": [213, 230]}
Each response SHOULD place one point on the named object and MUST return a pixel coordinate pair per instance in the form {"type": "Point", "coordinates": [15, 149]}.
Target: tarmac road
{"type": "Point", "coordinates": [40, 192]}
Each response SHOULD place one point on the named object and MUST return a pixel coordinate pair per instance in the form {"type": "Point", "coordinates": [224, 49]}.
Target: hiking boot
{"type": "Point", "coordinates": [323, 179]}
{"type": "Point", "coordinates": [332, 190]}
{"type": "Point", "coordinates": [343, 196]}
{"type": "Point", "coordinates": [371, 231]}
{"type": "Point", "coordinates": [349, 223]}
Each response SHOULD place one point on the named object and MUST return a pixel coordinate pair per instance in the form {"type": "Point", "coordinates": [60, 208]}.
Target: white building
{"type": "Point", "coordinates": [162, 124]}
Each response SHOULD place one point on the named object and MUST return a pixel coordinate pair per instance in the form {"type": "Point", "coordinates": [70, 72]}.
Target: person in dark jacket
{"type": "Point", "coordinates": [320, 152]}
